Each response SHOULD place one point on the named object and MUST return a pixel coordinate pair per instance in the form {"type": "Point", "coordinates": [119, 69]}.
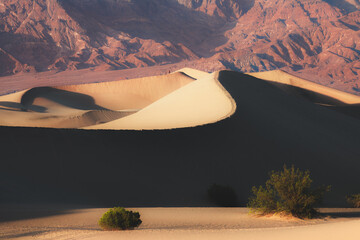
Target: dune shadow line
{"type": "Point", "coordinates": [18, 107]}
{"type": "Point", "coordinates": [352, 110]}
{"type": "Point", "coordinates": [354, 214]}
{"type": "Point", "coordinates": [66, 98]}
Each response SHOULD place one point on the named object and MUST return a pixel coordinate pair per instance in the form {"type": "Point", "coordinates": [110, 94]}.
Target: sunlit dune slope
{"type": "Point", "coordinates": [185, 98]}
{"type": "Point", "coordinates": [131, 94]}
{"type": "Point", "coordinates": [77, 106]}
{"type": "Point", "coordinates": [272, 126]}
{"type": "Point", "coordinates": [200, 102]}
{"type": "Point", "coordinates": [194, 73]}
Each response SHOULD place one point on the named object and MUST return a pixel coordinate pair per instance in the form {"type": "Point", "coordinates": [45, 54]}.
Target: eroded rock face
{"type": "Point", "coordinates": [307, 37]}
{"type": "Point", "coordinates": [346, 5]}
{"type": "Point", "coordinates": [229, 9]}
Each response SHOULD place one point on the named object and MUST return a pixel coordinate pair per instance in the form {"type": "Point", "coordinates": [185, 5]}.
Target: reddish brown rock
{"type": "Point", "coordinates": [315, 39]}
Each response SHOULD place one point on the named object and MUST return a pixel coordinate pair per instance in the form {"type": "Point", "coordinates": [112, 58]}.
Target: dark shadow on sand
{"type": "Point", "coordinates": [309, 95]}
{"type": "Point", "coordinates": [63, 97]}
{"type": "Point", "coordinates": [27, 234]}
{"type": "Point", "coordinates": [347, 213]}
{"type": "Point", "coordinates": [270, 128]}
{"type": "Point", "coordinates": [18, 107]}
{"type": "Point", "coordinates": [20, 212]}
{"type": "Point", "coordinates": [352, 110]}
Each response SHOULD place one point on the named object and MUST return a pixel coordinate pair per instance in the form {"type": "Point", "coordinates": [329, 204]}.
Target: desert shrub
{"type": "Point", "coordinates": [119, 218]}
{"type": "Point", "coordinates": [288, 191]}
{"type": "Point", "coordinates": [223, 196]}
{"type": "Point", "coordinates": [354, 200]}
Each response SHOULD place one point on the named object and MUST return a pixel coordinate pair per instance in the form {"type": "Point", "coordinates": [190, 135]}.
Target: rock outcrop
{"type": "Point", "coordinates": [316, 39]}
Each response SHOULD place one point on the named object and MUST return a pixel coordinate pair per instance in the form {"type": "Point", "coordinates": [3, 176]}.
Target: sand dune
{"type": "Point", "coordinates": [273, 124]}
{"type": "Point", "coordinates": [76, 106]}
{"type": "Point", "coordinates": [200, 102]}
{"type": "Point", "coordinates": [185, 98]}
{"type": "Point", "coordinates": [194, 73]}
{"type": "Point", "coordinates": [288, 80]}
{"type": "Point", "coordinates": [160, 102]}
{"type": "Point", "coordinates": [133, 93]}
{"type": "Point", "coordinates": [276, 122]}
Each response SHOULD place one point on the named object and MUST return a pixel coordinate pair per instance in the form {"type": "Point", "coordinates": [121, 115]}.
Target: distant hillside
{"type": "Point", "coordinates": [317, 39]}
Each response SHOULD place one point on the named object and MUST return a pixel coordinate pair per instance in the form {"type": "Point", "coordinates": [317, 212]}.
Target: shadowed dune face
{"type": "Point", "coordinates": [352, 110]}
{"type": "Point", "coordinates": [61, 97]}
{"type": "Point", "coordinates": [270, 127]}
{"type": "Point", "coordinates": [312, 96]}
{"type": "Point", "coordinates": [342, 102]}
{"type": "Point", "coordinates": [306, 88]}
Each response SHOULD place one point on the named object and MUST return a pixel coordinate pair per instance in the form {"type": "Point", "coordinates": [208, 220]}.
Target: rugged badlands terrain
{"type": "Point", "coordinates": [315, 39]}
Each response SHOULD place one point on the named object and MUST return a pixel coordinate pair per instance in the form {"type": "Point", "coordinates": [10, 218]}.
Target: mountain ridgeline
{"type": "Point", "coordinates": [316, 39]}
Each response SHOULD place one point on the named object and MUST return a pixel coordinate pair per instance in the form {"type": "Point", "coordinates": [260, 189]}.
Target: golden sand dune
{"type": "Point", "coordinates": [159, 102]}
{"type": "Point", "coordinates": [200, 102]}
{"type": "Point", "coordinates": [194, 73]}
{"type": "Point", "coordinates": [331, 98]}
{"type": "Point", "coordinates": [274, 124]}
{"type": "Point", "coordinates": [289, 81]}
{"type": "Point", "coordinates": [76, 106]}
{"type": "Point", "coordinates": [185, 98]}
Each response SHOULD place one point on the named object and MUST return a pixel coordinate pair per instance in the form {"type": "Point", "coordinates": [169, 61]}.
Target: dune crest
{"type": "Point", "coordinates": [185, 98]}
{"type": "Point", "coordinates": [201, 102]}
{"type": "Point", "coordinates": [159, 102]}
{"type": "Point", "coordinates": [279, 76]}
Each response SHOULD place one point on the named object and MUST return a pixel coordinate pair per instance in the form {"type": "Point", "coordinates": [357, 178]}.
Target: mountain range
{"type": "Point", "coordinates": [316, 39]}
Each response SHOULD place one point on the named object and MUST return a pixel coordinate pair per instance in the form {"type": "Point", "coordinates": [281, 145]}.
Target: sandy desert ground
{"type": "Point", "coordinates": [279, 120]}
{"type": "Point", "coordinates": [180, 223]}
{"type": "Point", "coordinates": [288, 122]}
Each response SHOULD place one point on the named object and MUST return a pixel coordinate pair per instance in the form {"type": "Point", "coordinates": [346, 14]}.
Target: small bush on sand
{"type": "Point", "coordinates": [354, 200]}
{"type": "Point", "coordinates": [287, 191]}
{"type": "Point", "coordinates": [223, 196]}
{"type": "Point", "coordinates": [119, 218]}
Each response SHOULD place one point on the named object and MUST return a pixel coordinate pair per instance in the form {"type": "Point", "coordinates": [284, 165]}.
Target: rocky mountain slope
{"type": "Point", "coordinates": [317, 39]}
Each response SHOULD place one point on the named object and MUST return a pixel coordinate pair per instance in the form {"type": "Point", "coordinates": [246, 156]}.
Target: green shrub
{"type": "Point", "coordinates": [119, 218]}
{"type": "Point", "coordinates": [223, 196]}
{"type": "Point", "coordinates": [354, 200]}
{"type": "Point", "coordinates": [288, 191]}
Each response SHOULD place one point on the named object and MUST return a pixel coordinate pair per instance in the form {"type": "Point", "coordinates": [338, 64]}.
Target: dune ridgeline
{"type": "Point", "coordinates": [279, 120]}
{"type": "Point", "coordinates": [185, 98]}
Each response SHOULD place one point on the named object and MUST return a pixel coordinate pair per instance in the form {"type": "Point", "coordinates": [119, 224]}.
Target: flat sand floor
{"type": "Point", "coordinates": [177, 223]}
